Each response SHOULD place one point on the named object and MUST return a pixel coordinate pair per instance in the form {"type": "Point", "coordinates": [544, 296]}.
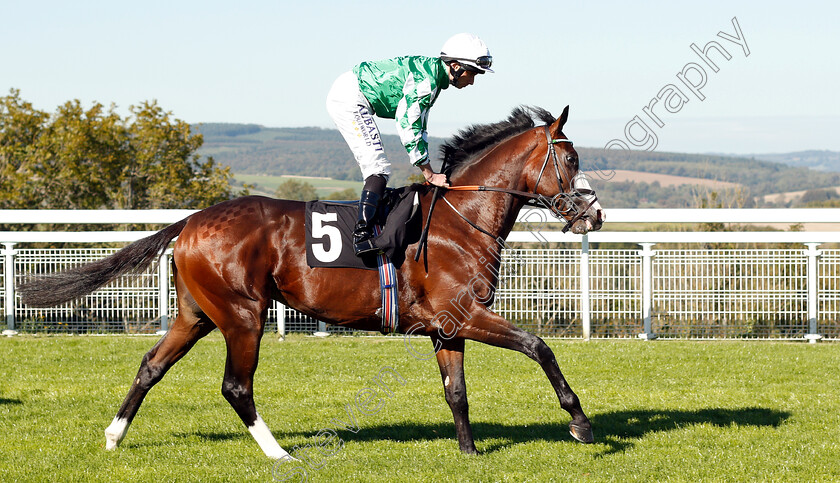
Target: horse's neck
{"type": "Point", "coordinates": [502, 167]}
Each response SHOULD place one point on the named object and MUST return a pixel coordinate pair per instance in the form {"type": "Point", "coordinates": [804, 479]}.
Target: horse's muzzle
{"type": "Point", "coordinates": [593, 220]}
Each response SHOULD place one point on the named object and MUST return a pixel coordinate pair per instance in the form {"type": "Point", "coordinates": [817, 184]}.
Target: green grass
{"type": "Point", "coordinates": [323, 186]}
{"type": "Point", "coordinates": [665, 410]}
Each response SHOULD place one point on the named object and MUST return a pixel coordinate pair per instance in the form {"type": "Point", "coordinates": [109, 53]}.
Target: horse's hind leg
{"type": "Point", "coordinates": [242, 321]}
{"type": "Point", "coordinates": [238, 387]}
{"type": "Point", "coordinates": [450, 357]}
{"type": "Point", "coordinates": [186, 329]}
{"type": "Point", "coordinates": [492, 329]}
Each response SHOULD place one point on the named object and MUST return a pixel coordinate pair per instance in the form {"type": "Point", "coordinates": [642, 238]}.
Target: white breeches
{"type": "Point", "coordinates": [353, 117]}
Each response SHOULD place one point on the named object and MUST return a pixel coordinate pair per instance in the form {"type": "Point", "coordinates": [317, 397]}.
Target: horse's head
{"type": "Point", "coordinates": [554, 174]}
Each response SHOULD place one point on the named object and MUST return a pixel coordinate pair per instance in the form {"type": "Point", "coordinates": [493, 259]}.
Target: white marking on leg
{"type": "Point", "coordinates": [446, 382]}
{"type": "Point", "coordinates": [115, 433]}
{"type": "Point", "coordinates": [266, 440]}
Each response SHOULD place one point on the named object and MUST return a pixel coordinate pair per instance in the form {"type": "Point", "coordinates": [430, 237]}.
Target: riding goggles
{"type": "Point", "coordinates": [484, 62]}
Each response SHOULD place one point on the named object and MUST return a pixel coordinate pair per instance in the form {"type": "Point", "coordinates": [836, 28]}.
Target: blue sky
{"type": "Point", "coordinates": [272, 63]}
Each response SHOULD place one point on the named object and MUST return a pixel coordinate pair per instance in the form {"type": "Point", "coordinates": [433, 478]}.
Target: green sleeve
{"type": "Point", "coordinates": [421, 88]}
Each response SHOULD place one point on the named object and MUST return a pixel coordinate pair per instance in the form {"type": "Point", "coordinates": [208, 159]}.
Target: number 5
{"type": "Point", "coordinates": [319, 230]}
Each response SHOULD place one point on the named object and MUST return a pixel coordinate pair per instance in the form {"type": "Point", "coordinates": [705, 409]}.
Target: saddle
{"type": "Point", "coordinates": [329, 241]}
{"type": "Point", "coordinates": [330, 224]}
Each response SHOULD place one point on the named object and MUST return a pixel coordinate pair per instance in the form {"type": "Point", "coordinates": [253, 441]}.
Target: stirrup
{"type": "Point", "coordinates": [365, 247]}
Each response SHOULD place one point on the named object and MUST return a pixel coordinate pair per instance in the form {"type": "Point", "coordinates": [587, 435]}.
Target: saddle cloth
{"type": "Point", "coordinates": [330, 225]}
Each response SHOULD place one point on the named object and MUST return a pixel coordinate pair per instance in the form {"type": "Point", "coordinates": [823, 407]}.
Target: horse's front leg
{"type": "Point", "coordinates": [450, 357]}
{"type": "Point", "coordinates": [485, 326]}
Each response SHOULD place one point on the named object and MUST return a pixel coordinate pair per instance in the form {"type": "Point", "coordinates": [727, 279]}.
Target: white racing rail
{"type": "Point", "coordinates": [542, 228]}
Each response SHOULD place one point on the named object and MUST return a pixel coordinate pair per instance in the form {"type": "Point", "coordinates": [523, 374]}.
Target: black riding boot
{"type": "Point", "coordinates": [363, 234]}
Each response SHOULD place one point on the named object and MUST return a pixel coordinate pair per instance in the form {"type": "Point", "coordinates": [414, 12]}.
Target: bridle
{"type": "Point", "coordinates": [555, 204]}
{"type": "Point", "coordinates": [560, 205]}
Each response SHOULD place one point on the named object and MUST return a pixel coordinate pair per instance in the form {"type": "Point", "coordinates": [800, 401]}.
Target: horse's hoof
{"type": "Point", "coordinates": [584, 435]}
{"type": "Point", "coordinates": [115, 433]}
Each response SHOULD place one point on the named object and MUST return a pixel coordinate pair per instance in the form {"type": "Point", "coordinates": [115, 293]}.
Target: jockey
{"type": "Point", "coordinates": [402, 88]}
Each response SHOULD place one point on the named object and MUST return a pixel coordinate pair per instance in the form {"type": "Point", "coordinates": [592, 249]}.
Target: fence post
{"type": "Point", "coordinates": [585, 315]}
{"type": "Point", "coordinates": [281, 318]}
{"type": "Point", "coordinates": [9, 284]}
{"type": "Point", "coordinates": [813, 293]}
{"type": "Point", "coordinates": [647, 291]}
{"type": "Point", "coordinates": [163, 289]}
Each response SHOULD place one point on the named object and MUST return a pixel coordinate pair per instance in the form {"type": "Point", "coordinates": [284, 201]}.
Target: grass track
{"type": "Point", "coordinates": [682, 411]}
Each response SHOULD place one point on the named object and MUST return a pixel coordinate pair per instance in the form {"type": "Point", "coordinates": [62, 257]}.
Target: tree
{"type": "Point", "coordinates": [95, 159]}
{"type": "Point", "coordinates": [20, 127]}
{"type": "Point", "coordinates": [817, 196]}
{"type": "Point", "coordinates": [415, 178]}
{"type": "Point", "coordinates": [293, 189]}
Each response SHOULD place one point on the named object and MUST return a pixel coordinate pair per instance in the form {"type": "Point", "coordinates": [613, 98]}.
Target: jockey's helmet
{"type": "Point", "coordinates": [468, 50]}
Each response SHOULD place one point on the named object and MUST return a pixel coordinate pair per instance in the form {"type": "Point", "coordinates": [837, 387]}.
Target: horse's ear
{"type": "Point", "coordinates": [558, 124]}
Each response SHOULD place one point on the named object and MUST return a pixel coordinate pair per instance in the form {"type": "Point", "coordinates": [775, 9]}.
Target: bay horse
{"type": "Point", "coordinates": [231, 259]}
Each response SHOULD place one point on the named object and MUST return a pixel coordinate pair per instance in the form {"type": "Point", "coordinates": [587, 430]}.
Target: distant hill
{"type": "Point", "coordinates": [814, 159]}
{"type": "Point", "coordinates": [253, 149]}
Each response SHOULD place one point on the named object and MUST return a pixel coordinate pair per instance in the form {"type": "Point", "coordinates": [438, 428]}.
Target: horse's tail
{"type": "Point", "coordinates": [61, 287]}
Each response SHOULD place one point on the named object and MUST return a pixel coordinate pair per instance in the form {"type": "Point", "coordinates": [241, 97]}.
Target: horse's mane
{"type": "Point", "coordinates": [460, 150]}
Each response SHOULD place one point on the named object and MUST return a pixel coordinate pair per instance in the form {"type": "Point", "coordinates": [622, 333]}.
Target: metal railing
{"type": "Point", "coordinates": [654, 290]}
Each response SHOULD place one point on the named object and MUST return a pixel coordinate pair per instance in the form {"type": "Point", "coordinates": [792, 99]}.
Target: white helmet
{"type": "Point", "coordinates": [469, 50]}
